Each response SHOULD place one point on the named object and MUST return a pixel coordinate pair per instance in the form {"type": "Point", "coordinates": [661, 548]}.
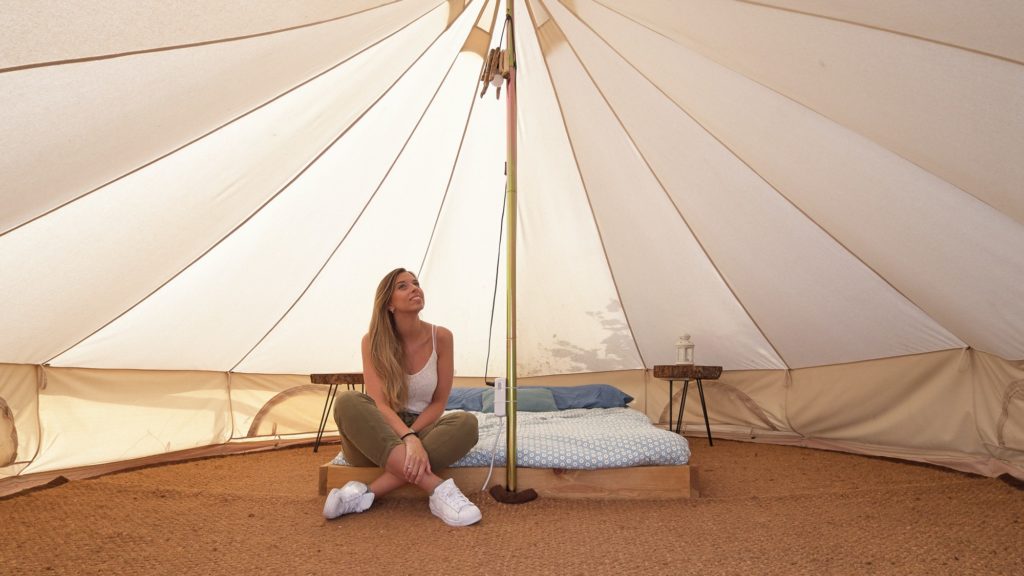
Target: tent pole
{"type": "Point", "coordinates": [510, 356]}
{"type": "Point", "coordinates": [508, 494]}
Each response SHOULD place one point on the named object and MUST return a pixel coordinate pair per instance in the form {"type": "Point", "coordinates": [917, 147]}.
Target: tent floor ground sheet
{"type": "Point", "coordinates": [763, 509]}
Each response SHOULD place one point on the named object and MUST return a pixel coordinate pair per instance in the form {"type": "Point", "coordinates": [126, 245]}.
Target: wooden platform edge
{"type": "Point", "coordinates": [637, 483]}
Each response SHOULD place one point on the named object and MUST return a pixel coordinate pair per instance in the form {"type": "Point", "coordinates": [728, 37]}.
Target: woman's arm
{"type": "Point", "coordinates": [374, 389]}
{"type": "Point", "coordinates": [445, 376]}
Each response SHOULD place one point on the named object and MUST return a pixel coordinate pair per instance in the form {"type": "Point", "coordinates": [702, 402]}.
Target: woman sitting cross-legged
{"type": "Point", "coordinates": [408, 366]}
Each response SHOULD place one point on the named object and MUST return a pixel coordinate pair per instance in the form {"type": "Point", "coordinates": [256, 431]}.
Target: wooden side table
{"type": "Point", "coordinates": [350, 379]}
{"type": "Point", "coordinates": [687, 372]}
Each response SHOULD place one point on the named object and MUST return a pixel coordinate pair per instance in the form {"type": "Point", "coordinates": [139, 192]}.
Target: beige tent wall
{"type": "Point", "coordinates": [90, 416]}
{"type": "Point", "coordinates": [78, 423]}
{"type": "Point", "coordinates": [275, 405]}
{"type": "Point", "coordinates": [20, 423]}
{"type": "Point", "coordinates": [960, 409]}
{"type": "Point", "coordinates": [999, 402]}
{"type": "Point", "coordinates": [920, 401]}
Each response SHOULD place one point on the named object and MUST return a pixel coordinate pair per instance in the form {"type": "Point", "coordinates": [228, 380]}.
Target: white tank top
{"type": "Point", "coordinates": [423, 383]}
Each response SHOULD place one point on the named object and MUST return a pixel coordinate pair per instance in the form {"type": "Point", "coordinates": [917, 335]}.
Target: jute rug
{"type": "Point", "coordinates": [764, 510]}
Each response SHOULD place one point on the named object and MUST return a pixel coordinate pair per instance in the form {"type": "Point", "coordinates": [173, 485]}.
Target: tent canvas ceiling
{"type": "Point", "coordinates": [804, 186]}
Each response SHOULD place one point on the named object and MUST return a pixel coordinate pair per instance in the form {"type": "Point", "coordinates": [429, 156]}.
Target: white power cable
{"type": "Point", "coordinates": [494, 453]}
{"type": "Point", "coordinates": [500, 400]}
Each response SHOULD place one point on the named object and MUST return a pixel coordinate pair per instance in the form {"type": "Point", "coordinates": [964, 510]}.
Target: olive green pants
{"type": "Point", "coordinates": [367, 439]}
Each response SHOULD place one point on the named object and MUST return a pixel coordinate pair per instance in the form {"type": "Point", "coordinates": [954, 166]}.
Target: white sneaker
{"type": "Point", "coordinates": [450, 505]}
{"type": "Point", "coordinates": [352, 497]}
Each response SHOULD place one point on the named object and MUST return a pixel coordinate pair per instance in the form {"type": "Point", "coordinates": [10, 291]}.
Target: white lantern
{"type": "Point", "coordinates": [684, 350]}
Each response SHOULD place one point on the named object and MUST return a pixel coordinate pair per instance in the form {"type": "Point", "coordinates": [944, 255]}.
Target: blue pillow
{"type": "Point", "coordinates": [527, 400]}
{"type": "Point", "coordinates": [589, 396]}
{"type": "Point", "coordinates": [470, 399]}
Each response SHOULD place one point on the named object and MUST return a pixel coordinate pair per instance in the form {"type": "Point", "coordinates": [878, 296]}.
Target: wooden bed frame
{"type": "Point", "coordinates": [638, 483]}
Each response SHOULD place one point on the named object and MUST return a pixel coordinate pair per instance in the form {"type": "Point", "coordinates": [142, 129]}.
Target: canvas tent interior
{"type": "Point", "coordinates": [199, 198]}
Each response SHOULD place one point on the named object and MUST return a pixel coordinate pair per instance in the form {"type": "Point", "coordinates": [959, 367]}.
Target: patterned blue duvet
{"type": "Point", "coordinates": [580, 439]}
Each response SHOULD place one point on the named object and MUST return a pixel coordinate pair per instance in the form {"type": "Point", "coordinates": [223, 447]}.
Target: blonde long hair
{"type": "Point", "coordinates": [385, 347]}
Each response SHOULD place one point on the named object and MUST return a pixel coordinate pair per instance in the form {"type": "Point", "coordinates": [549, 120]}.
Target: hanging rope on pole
{"type": "Point", "coordinates": [495, 70]}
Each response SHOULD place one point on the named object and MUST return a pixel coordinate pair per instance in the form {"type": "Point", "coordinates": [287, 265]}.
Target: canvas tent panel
{"type": "Point", "coordinates": [18, 393]}
{"type": "Point", "coordinates": [993, 30]}
{"type": "Point", "coordinates": [97, 416]}
{"type": "Point", "coordinates": [560, 257]}
{"type": "Point", "coordinates": [120, 233]}
{"type": "Point", "coordinates": [638, 224]}
{"type": "Point", "coordinates": [962, 120]}
{"type": "Point", "coordinates": [131, 110]}
{"type": "Point", "coordinates": [250, 394]}
{"type": "Point", "coordinates": [719, 196]}
{"type": "Point", "coordinates": [883, 412]}
{"type": "Point", "coordinates": [458, 271]}
{"type": "Point", "coordinates": [269, 261]}
{"type": "Point", "coordinates": [555, 268]}
{"type": "Point", "coordinates": [76, 31]}
{"type": "Point", "coordinates": [276, 406]}
{"type": "Point", "coordinates": [887, 212]}
{"type": "Point", "coordinates": [304, 341]}
{"type": "Point", "coordinates": [291, 414]}
{"type": "Point", "coordinates": [999, 405]}
{"type": "Point", "coordinates": [883, 209]}
{"type": "Point", "coordinates": [476, 356]}
{"type": "Point", "coordinates": [211, 322]}
{"type": "Point", "coordinates": [496, 356]}
{"type": "Point", "coordinates": [929, 417]}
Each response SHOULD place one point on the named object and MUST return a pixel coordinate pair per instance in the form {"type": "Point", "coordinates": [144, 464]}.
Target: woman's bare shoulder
{"type": "Point", "coordinates": [443, 334]}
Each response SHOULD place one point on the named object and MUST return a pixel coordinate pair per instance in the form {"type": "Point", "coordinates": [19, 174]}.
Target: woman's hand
{"type": "Point", "coordinates": [417, 464]}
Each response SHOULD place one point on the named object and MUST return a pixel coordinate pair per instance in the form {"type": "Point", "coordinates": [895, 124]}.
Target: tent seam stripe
{"type": "Point", "coordinates": [41, 383]}
{"type": "Point", "coordinates": [375, 191]}
{"type": "Point", "coordinates": [197, 44]}
{"type": "Point", "coordinates": [250, 216]}
{"type": "Point", "coordinates": [760, 176]}
{"type": "Point", "coordinates": [661, 185]}
{"type": "Point", "coordinates": [788, 384]}
{"type": "Point", "coordinates": [231, 408]}
{"type": "Point", "coordinates": [586, 190]}
{"type": "Point", "coordinates": [220, 127]}
{"type": "Point", "coordinates": [805, 107]}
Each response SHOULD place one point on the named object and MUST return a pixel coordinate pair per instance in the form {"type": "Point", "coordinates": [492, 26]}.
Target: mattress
{"type": "Point", "coordinates": [577, 439]}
